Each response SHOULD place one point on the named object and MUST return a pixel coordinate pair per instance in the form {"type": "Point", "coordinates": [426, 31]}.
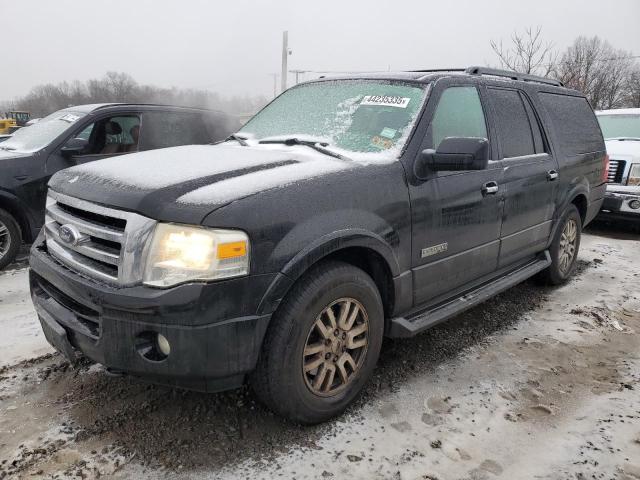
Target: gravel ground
{"type": "Point", "coordinates": [536, 383]}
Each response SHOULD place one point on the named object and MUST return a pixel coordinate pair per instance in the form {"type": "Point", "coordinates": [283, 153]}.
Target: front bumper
{"type": "Point", "coordinates": [214, 330]}
{"type": "Point", "coordinates": [620, 203]}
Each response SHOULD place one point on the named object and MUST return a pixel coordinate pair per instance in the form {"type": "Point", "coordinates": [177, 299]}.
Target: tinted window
{"type": "Point", "coordinates": [170, 129]}
{"type": "Point", "coordinates": [574, 123]}
{"type": "Point", "coordinates": [459, 114]}
{"type": "Point", "coordinates": [512, 123]}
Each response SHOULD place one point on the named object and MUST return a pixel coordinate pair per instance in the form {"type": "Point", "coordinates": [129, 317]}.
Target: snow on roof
{"type": "Point", "coordinates": [619, 111]}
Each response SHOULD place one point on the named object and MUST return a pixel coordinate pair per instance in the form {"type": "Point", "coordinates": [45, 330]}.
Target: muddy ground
{"type": "Point", "coordinates": [537, 383]}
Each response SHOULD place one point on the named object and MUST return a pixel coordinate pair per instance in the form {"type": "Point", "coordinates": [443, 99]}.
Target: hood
{"type": "Point", "coordinates": [10, 154]}
{"type": "Point", "coordinates": [623, 149]}
{"type": "Point", "coordinates": [184, 184]}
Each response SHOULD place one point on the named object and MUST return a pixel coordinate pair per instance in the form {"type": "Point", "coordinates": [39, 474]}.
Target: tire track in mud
{"type": "Point", "coordinates": [182, 430]}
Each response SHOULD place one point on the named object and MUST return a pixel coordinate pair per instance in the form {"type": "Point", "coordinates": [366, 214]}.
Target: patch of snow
{"type": "Point", "coordinates": [251, 183]}
{"type": "Point", "coordinates": [161, 168]}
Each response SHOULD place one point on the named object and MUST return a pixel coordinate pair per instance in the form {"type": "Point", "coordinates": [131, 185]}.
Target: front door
{"type": "Point", "coordinates": [530, 176]}
{"type": "Point", "coordinates": [456, 215]}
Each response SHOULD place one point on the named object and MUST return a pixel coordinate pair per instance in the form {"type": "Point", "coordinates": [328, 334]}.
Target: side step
{"type": "Point", "coordinates": [410, 326]}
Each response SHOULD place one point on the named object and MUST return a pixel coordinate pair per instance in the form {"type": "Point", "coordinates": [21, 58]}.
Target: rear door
{"type": "Point", "coordinates": [456, 223]}
{"type": "Point", "coordinates": [530, 175]}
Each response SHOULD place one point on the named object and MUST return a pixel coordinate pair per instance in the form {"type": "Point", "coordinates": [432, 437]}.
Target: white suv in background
{"type": "Point", "coordinates": [621, 130]}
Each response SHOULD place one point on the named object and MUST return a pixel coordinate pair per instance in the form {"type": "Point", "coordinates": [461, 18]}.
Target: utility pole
{"type": "Point", "coordinates": [285, 54]}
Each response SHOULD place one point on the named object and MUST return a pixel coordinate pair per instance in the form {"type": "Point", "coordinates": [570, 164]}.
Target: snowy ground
{"type": "Point", "coordinates": [536, 383]}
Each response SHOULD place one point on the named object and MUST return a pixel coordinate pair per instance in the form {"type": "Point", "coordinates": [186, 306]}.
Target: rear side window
{"type": "Point", "coordinates": [512, 123]}
{"type": "Point", "coordinates": [459, 114]}
{"type": "Point", "coordinates": [170, 129]}
{"type": "Point", "coordinates": [574, 123]}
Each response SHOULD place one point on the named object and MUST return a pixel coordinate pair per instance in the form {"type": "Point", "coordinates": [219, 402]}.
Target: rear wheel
{"type": "Point", "coordinates": [322, 344]}
{"type": "Point", "coordinates": [10, 239]}
{"type": "Point", "coordinates": [564, 248]}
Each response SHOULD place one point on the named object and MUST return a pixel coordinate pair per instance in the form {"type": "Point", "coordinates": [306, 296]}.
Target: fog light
{"type": "Point", "coordinates": [163, 345]}
{"type": "Point", "coordinates": [152, 346]}
{"type": "Point", "coordinates": [635, 204]}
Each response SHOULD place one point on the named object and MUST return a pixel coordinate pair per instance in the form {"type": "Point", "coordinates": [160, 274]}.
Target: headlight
{"type": "Point", "coordinates": [181, 254]}
{"type": "Point", "coordinates": [634, 175]}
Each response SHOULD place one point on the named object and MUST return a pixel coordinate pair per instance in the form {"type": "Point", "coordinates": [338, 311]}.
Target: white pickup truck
{"type": "Point", "coordinates": [621, 130]}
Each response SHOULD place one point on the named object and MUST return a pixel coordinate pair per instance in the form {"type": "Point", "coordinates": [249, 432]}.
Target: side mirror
{"type": "Point", "coordinates": [453, 154]}
{"type": "Point", "coordinates": [73, 147]}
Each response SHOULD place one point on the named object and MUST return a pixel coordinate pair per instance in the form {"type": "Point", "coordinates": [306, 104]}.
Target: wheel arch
{"type": "Point", "coordinates": [364, 250]}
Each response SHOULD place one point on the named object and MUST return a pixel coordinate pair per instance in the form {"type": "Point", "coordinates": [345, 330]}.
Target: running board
{"type": "Point", "coordinates": [410, 326]}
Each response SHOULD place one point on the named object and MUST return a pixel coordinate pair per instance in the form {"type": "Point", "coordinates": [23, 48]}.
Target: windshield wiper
{"type": "Point", "coordinates": [317, 145]}
{"type": "Point", "coordinates": [241, 140]}
{"type": "Point", "coordinates": [8, 149]}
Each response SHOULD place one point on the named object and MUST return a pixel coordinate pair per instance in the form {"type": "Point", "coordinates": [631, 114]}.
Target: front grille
{"type": "Point", "coordinates": [616, 171]}
{"type": "Point", "coordinates": [104, 243]}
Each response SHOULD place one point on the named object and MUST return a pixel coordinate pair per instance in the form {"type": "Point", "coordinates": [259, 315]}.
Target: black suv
{"type": "Point", "coordinates": [346, 210]}
{"type": "Point", "coordinates": [83, 134]}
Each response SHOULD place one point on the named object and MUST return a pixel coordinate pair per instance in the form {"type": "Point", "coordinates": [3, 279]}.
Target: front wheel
{"type": "Point", "coordinates": [322, 344]}
{"type": "Point", "coordinates": [564, 248]}
{"type": "Point", "coordinates": [10, 239]}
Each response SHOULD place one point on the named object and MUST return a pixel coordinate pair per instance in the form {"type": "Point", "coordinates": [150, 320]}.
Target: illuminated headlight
{"type": "Point", "coordinates": [634, 175]}
{"type": "Point", "coordinates": [181, 254]}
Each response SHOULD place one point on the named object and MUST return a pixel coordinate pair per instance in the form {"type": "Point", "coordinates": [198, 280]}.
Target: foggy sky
{"type": "Point", "coordinates": [231, 47]}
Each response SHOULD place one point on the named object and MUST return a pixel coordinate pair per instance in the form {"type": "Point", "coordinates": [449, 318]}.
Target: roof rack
{"type": "Point", "coordinates": [513, 75]}
{"type": "Point", "coordinates": [436, 70]}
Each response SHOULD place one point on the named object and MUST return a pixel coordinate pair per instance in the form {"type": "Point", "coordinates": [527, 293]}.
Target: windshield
{"type": "Point", "coordinates": [41, 134]}
{"type": "Point", "coordinates": [353, 115]}
{"type": "Point", "coordinates": [615, 126]}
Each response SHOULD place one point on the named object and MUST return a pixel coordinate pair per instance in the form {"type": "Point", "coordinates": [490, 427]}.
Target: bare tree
{"type": "Point", "coordinates": [601, 72]}
{"type": "Point", "coordinates": [527, 53]}
{"type": "Point", "coordinates": [632, 97]}
{"type": "Point", "coordinates": [121, 87]}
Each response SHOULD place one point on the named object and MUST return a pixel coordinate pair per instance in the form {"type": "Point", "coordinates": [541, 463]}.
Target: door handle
{"type": "Point", "coordinates": [490, 188]}
{"type": "Point", "coordinates": [552, 175]}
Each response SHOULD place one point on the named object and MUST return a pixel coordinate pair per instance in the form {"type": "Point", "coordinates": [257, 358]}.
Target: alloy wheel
{"type": "Point", "coordinates": [5, 240]}
{"type": "Point", "coordinates": [567, 250]}
{"type": "Point", "coordinates": [336, 347]}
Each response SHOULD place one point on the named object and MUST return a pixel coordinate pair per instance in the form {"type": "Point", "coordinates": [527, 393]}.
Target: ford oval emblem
{"type": "Point", "coordinates": [69, 235]}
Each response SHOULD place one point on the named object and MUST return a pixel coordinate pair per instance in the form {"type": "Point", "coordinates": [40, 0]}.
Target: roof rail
{"type": "Point", "coordinates": [513, 75]}
{"type": "Point", "coordinates": [436, 70]}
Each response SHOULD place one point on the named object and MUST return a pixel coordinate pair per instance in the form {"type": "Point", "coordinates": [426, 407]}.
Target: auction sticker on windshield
{"type": "Point", "coordinates": [69, 117]}
{"type": "Point", "coordinates": [385, 101]}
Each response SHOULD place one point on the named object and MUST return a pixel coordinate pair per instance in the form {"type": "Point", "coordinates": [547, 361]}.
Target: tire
{"type": "Point", "coordinates": [10, 239]}
{"type": "Point", "coordinates": [560, 270]}
{"type": "Point", "coordinates": [282, 380]}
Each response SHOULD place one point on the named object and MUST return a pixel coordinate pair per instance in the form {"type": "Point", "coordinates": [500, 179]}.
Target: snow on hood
{"type": "Point", "coordinates": [10, 154]}
{"type": "Point", "coordinates": [626, 148]}
{"type": "Point", "coordinates": [157, 169]}
{"type": "Point", "coordinates": [205, 176]}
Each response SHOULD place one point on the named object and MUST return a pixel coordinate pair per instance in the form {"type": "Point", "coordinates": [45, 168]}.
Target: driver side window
{"type": "Point", "coordinates": [459, 114]}
{"type": "Point", "coordinates": [109, 136]}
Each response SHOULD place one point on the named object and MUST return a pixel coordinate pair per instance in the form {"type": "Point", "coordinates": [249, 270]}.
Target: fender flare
{"type": "Point", "coordinates": [316, 251]}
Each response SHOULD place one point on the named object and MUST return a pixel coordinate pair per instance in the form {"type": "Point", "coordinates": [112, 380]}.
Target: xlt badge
{"type": "Point", "coordinates": [427, 252]}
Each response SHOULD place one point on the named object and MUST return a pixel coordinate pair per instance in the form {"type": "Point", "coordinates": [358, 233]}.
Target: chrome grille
{"type": "Point", "coordinates": [616, 171]}
{"type": "Point", "coordinates": [100, 242]}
